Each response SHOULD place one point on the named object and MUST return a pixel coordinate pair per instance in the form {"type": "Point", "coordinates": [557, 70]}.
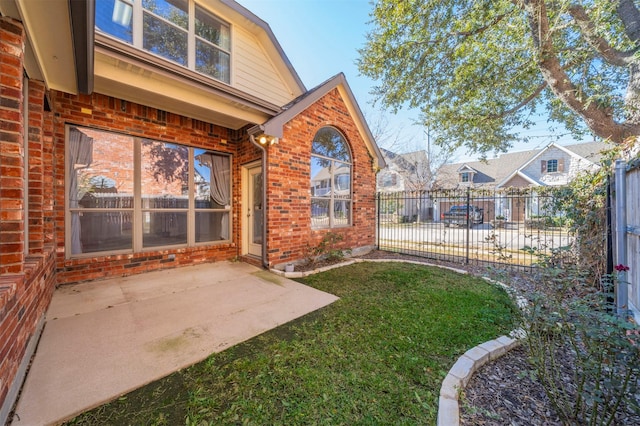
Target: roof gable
{"type": "Point", "coordinates": [275, 125]}
{"type": "Point", "coordinates": [465, 168]}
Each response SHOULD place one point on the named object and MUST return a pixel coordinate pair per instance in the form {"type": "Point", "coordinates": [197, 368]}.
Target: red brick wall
{"type": "Point", "coordinates": [35, 219]}
{"type": "Point", "coordinates": [12, 165]}
{"type": "Point", "coordinates": [24, 298]}
{"type": "Point", "coordinates": [48, 179]}
{"type": "Point", "coordinates": [26, 283]}
{"type": "Point", "coordinates": [288, 186]}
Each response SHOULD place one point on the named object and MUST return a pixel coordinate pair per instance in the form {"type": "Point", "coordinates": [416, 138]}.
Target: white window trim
{"type": "Point", "coordinates": [331, 199]}
{"type": "Point", "coordinates": [137, 210]}
{"type": "Point", "coordinates": [334, 163]}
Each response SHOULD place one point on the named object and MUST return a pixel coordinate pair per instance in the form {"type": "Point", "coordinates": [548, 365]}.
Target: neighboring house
{"type": "Point", "coordinates": [406, 172]}
{"type": "Point", "coordinates": [137, 136]}
{"type": "Point", "coordinates": [552, 165]}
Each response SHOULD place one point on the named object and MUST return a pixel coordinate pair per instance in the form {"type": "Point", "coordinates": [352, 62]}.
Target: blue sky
{"type": "Point", "coordinates": [321, 38]}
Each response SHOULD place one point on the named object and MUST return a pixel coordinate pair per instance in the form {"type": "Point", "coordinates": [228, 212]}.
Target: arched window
{"type": "Point", "coordinates": [331, 199]}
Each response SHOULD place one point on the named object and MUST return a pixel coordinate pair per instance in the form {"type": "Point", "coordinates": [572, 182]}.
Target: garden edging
{"type": "Point", "coordinates": [302, 274]}
{"type": "Point", "coordinates": [461, 372]}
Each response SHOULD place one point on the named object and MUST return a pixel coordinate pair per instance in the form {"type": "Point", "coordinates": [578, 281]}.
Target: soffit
{"type": "Point", "coordinates": [49, 54]}
{"type": "Point", "coordinates": [146, 84]}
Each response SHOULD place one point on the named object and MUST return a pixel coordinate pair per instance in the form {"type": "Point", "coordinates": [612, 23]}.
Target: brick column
{"type": "Point", "coordinates": [36, 190]}
{"type": "Point", "coordinates": [11, 147]}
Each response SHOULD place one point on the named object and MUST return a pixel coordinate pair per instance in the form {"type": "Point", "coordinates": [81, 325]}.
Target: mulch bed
{"type": "Point", "coordinates": [503, 393]}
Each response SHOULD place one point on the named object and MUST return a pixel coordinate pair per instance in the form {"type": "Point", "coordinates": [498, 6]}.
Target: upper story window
{"type": "Point", "coordinates": [331, 201]}
{"type": "Point", "coordinates": [552, 166]}
{"type": "Point", "coordinates": [178, 30]}
{"type": "Point", "coordinates": [465, 177]}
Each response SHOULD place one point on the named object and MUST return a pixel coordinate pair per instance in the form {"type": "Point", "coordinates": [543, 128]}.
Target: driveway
{"type": "Point", "coordinates": [105, 338]}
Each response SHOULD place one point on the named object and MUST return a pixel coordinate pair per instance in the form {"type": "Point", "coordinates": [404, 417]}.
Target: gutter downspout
{"type": "Point", "coordinates": [265, 262]}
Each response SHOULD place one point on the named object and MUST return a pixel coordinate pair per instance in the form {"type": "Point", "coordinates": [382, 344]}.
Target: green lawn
{"type": "Point", "coordinates": [376, 356]}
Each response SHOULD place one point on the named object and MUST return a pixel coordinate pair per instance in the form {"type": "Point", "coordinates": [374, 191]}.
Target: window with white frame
{"type": "Point", "coordinates": [331, 200]}
{"type": "Point", "coordinates": [128, 194]}
{"type": "Point", "coordinates": [465, 177]}
{"type": "Point", "coordinates": [552, 166]}
{"type": "Point", "coordinates": [178, 30]}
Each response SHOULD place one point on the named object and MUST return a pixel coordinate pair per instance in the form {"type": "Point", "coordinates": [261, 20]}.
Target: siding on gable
{"type": "Point", "coordinates": [571, 165]}
{"type": "Point", "coordinates": [254, 72]}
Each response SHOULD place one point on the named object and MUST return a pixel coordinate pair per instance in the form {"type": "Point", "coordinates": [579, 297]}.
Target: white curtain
{"type": "Point", "coordinates": [80, 149]}
{"type": "Point", "coordinates": [219, 185]}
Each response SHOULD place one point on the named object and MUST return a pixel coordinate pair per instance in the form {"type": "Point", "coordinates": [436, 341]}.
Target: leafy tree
{"type": "Point", "coordinates": [478, 69]}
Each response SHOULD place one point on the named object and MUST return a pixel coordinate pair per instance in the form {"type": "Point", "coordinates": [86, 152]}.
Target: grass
{"type": "Point", "coordinates": [376, 356]}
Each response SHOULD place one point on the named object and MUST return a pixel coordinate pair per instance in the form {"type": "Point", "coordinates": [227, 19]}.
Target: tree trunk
{"type": "Point", "coordinates": [598, 118]}
{"type": "Point", "coordinates": [632, 97]}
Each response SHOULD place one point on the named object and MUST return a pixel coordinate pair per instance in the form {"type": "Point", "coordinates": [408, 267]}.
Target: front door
{"type": "Point", "coordinates": [255, 213]}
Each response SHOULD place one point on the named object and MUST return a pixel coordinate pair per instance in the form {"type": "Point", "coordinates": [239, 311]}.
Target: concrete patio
{"type": "Point", "coordinates": [105, 338]}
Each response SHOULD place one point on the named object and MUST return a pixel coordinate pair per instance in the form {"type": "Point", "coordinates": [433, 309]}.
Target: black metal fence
{"type": "Point", "coordinates": [514, 227]}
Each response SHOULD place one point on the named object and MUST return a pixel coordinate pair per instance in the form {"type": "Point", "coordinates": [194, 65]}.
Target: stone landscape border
{"type": "Point", "coordinates": [470, 362]}
{"type": "Point", "coordinates": [462, 371]}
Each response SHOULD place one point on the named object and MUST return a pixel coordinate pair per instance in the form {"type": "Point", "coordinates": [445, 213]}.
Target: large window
{"type": "Point", "coordinates": [178, 30]}
{"type": "Point", "coordinates": [330, 180]}
{"type": "Point", "coordinates": [129, 194]}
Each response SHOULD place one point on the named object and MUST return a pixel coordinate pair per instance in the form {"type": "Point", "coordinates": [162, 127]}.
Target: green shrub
{"type": "Point", "coordinates": [605, 360]}
{"type": "Point", "coordinates": [326, 249]}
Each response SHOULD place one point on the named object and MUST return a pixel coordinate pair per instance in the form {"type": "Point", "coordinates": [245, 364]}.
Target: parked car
{"type": "Point", "coordinates": [457, 215]}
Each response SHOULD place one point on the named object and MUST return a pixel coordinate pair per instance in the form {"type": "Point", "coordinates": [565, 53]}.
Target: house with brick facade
{"type": "Point", "coordinates": [138, 136]}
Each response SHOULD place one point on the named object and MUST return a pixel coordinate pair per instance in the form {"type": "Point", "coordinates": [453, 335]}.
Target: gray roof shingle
{"type": "Point", "coordinates": [491, 172]}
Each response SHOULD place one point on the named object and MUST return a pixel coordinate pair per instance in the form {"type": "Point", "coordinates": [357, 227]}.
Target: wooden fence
{"type": "Point", "coordinates": [626, 223]}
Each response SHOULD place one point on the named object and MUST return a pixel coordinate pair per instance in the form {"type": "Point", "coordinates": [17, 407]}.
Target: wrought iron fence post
{"type": "Point", "coordinates": [377, 198]}
{"type": "Point", "coordinates": [466, 261]}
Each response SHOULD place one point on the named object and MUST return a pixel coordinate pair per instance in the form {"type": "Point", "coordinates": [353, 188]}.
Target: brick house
{"type": "Point", "coordinates": [138, 136]}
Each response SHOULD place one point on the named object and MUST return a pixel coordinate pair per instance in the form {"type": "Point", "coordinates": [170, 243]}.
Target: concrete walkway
{"type": "Point", "coordinates": [105, 338]}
